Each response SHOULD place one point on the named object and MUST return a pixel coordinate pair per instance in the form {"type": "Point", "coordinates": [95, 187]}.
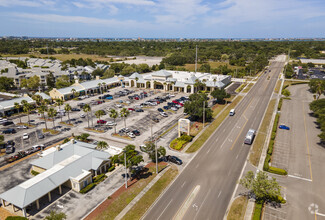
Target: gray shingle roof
{"type": "Point", "coordinates": [71, 161]}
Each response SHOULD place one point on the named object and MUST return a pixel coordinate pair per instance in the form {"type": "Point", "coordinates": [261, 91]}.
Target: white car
{"type": "Point", "coordinates": [25, 136]}
{"type": "Point", "coordinates": [109, 123]}
{"type": "Point", "coordinates": [82, 116]}
{"type": "Point", "coordinates": [164, 114]}
{"type": "Point", "coordinates": [118, 105]}
{"type": "Point", "coordinates": [153, 103]}
{"type": "Point", "coordinates": [171, 95]}
{"type": "Point", "coordinates": [131, 135]}
{"type": "Point", "coordinates": [174, 108]}
{"type": "Point", "coordinates": [22, 127]}
{"type": "Point", "coordinates": [127, 102]}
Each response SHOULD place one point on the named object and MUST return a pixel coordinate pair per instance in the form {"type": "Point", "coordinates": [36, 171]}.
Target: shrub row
{"type": "Point", "coordinates": [99, 178]}
{"type": "Point", "coordinates": [178, 143]}
{"type": "Point", "coordinates": [16, 218]}
{"type": "Point", "coordinates": [280, 104]}
{"type": "Point", "coordinates": [111, 168]}
{"type": "Point", "coordinates": [34, 173]}
{"type": "Point", "coordinates": [277, 171]}
{"type": "Point", "coordinates": [87, 188]}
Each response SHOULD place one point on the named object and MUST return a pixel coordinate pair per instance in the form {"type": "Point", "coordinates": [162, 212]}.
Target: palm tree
{"type": "Point", "coordinates": [52, 113]}
{"type": "Point", "coordinates": [165, 86]}
{"type": "Point", "coordinates": [136, 81]}
{"type": "Point", "coordinates": [99, 113]}
{"type": "Point", "coordinates": [114, 114]}
{"type": "Point", "coordinates": [104, 84]}
{"type": "Point", "coordinates": [124, 113]}
{"type": "Point", "coordinates": [38, 99]}
{"type": "Point", "coordinates": [102, 145]}
{"type": "Point", "coordinates": [59, 102]}
{"type": "Point", "coordinates": [67, 108]}
{"type": "Point", "coordinates": [17, 106]}
{"type": "Point", "coordinates": [73, 91]}
{"type": "Point", "coordinates": [26, 108]}
{"type": "Point", "coordinates": [42, 109]}
{"type": "Point", "coordinates": [87, 109]}
{"type": "Point", "coordinates": [154, 85]}
{"type": "Point", "coordinates": [100, 88]}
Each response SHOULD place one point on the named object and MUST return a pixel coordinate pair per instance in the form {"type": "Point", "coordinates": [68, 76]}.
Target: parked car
{"type": "Point", "coordinates": [119, 105]}
{"type": "Point", "coordinates": [9, 131]}
{"type": "Point", "coordinates": [164, 114]}
{"type": "Point", "coordinates": [166, 107]}
{"type": "Point", "coordinates": [101, 122]}
{"type": "Point", "coordinates": [75, 109]}
{"type": "Point", "coordinates": [131, 109]}
{"type": "Point", "coordinates": [6, 123]}
{"type": "Point", "coordinates": [22, 127]}
{"type": "Point", "coordinates": [136, 132]}
{"type": "Point", "coordinates": [142, 147]}
{"type": "Point", "coordinates": [174, 159]}
{"type": "Point", "coordinates": [25, 136]}
{"type": "Point", "coordinates": [11, 142]}
{"type": "Point", "coordinates": [131, 135]}
{"type": "Point", "coordinates": [174, 108]}
{"type": "Point", "coordinates": [81, 104]}
{"type": "Point", "coordinates": [139, 110]}
{"type": "Point", "coordinates": [40, 135]}
{"type": "Point", "coordinates": [109, 123]}
{"type": "Point", "coordinates": [160, 110]}
{"type": "Point", "coordinates": [155, 120]}
{"type": "Point", "coordinates": [282, 126]}
{"type": "Point", "coordinates": [82, 115]}
{"type": "Point", "coordinates": [10, 149]}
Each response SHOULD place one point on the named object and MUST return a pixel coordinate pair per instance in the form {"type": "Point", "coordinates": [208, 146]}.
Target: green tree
{"type": "Point", "coordinates": [33, 82]}
{"type": "Point", "coordinates": [220, 95]}
{"type": "Point", "coordinates": [26, 108]}
{"type": "Point", "coordinates": [132, 157]}
{"type": "Point", "coordinates": [317, 86]}
{"type": "Point", "coordinates": [286, 92]}
{"type": "Point", "coordinates": [102, 145]}
{"type": "Point", "coordinates": [59, 102]}
{"type": "Point", "coordinates": [99, 113]}
{"type": "Point", "coordinates": [194, 107]}
{"type": "Point", "coordinates": [83, 137]}
{"type": "Point", "coordinates": [50, 80]}
{"type": "Point", "coordinates": [56, 216]}
{"type": "Point", "coordinates": [205, 68]}
{"type": "Point", "coordinates": [68, 108]}
{"type": "Point", "coordinates": [17, 106]}
{"type": "Point", "coordinates": [41, 110]}
{"type": "Point", "coordinates": [109, 73]}
{"type": "Point", "coordinates": [113, 114]}
{"type": "Point", "coordinates": [124, 113]}
{"type": "Point", "coordinates": [38, 99]}
{"type": "Point", "coordinates": [51, 114]}
{"type": "Point", "coordinates": [6, 84]}
{"type": "Point", "coordinates": [87, 109]}
{"type": "Point", "coordinates": [151, 151]}
{"type": "Point", "coordinates": [62, 81]}
{"type": "Point", "coordinates": [261, 186]}
{"type": "Point", "coordinates": [73, 91]}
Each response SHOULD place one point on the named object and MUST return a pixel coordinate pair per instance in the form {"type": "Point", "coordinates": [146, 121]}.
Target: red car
{"type": "Point", "coordinates": [101, 122]}
{"type": "Point", "coordinates": [176, 102]}
{"type": "Point", "coordinates": [136, 98]}
{"type": "Point", "coordinates": [131, 109]}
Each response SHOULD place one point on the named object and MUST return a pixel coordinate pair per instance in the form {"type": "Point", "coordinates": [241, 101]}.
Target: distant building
{"type": "Point", "coordinates": [177, 81]}
{"type": "Point", "coordinates": [8, 107]}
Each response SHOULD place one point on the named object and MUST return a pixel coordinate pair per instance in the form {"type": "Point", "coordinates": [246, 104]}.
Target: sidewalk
{"type": "Point", "coordinates": [140, 195]}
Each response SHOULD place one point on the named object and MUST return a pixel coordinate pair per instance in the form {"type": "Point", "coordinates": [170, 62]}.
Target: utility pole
{"type": "Point", "coordinates": [156, 157]}
{"type": "Point", "coordinates": [126, 173]}
{"type": "Point", "coordinates": [196, 59]}
{"type": "Point", "coordinates": [203, 113]}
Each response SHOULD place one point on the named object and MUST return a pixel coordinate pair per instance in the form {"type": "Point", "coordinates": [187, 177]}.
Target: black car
{"type": "Point", "coordinates": [75, 109]}
{"type": "Point", "coordinates": [166, 107]}
{"type": "Point", "coordinates": [139, 110]}
{"type": "Point", "coordinates": [9, 131]}
{"type": "Point", "coordinates": [81, 105]}
{"type": "Point", "coordinates": [155, 120]}
{"type": "Point", "coordinates": [7, 123]}
{"type": "Point", "coordinates": [40, 135]}
{"type": "Point", "coordinates": [160, 110]}
{"type": "Point", "coordinates": [170, 104]}
{"type": "Point", "coordinates": [12, 143]}
{"type": "Point", "coordinates": [136, 132]}
{"type": "Point", "coordinates": [174, 159]}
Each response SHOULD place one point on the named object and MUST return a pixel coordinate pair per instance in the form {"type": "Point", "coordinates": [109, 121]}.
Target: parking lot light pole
{"type": "Point", "coordinates": [156, 157]}
{"type": "Point", "coordinates": [203, 113]}
{"type": "Point", "coordinates": [126, 175]}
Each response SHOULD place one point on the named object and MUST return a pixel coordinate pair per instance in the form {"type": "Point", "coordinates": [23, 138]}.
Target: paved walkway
{"type": "Point", "coordinates": [140, 195]}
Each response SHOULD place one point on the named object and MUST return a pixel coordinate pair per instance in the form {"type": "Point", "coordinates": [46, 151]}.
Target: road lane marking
{"type": "Point", "coordinates": [237, 156]}
{"type": "Point", "coordinates": [303, 111]}
{"type": "Point", "coordinates": [181, 212]}
{"type": "Point", "coordinates": [219, 194]}
{"type": "Point", "coordinates": [197, 165]}
{"type": "Point", "coordinates": [241, 130]}
{"type": "Point", "coordinates": [208, 151]}
{"type": "Point", "coordinates": [165, 209]}
{"type": "Point", "coordinates": [301, 178]}
{"type": "Point", "coordinates": [217, 140]}
{"type": "Point", "coordinates": [206, 196]}
{"type": "Point", "coordinates": [183, 184]}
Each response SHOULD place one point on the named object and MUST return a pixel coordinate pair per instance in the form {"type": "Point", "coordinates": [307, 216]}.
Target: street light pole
{"type": "Point", "coordinates": [156, 157]}
{"type": "Point", "coordinates": [203, 113]}
{"type": "Point", "coordinates": [126, 175]}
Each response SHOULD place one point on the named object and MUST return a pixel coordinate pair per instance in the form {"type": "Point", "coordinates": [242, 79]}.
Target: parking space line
{"type": "Point", "coordinates": [301, 178]}
{"type": "Point", "coordinates": [303, 111]}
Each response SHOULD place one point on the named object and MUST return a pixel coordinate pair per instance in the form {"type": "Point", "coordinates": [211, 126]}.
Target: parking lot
{"type": "Point", "coordinates": [297, 150]}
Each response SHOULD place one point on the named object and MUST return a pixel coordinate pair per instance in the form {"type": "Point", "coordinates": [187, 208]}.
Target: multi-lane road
{"type": "Point", "coordinates": [205, 186]}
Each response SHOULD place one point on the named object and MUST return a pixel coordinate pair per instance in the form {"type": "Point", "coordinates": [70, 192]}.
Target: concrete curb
{"type": "Point", "coordinates": [140, 195]}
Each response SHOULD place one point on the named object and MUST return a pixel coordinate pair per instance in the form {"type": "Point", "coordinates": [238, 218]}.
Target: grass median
{"type": "Point", "coordinates": [238, 208]}
{"type": "Point", "coordinates": [212, 127]}
{"type": "Point", "coordinates": [248, 88]}
{"type": "Point", "coordinates": [140, 208]}
{"type": "Point", "coordinates": [257, 147]}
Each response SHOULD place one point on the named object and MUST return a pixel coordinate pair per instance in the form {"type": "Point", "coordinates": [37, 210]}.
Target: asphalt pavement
{"type": "Point", "coordinates": [204, 188]}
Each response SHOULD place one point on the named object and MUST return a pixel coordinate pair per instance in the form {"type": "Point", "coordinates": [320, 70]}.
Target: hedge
{"type": "Point", "coordinates": [99, 178]}
{"type": "Point", "coordinates": [277, 171]}
{"type": "Point", "coordinates": [16, 218]}
{"type": "Point", "coordinates": [177, 144]}
{"type": "Point", "coordinates": [34, 173]}
{"type": "Point", "coordinates": [280, 104]}
{"type": "Point", "coordinates": [257, 211]}
{"type": "Point", "coordinates": [87, 188]}
{"type": "Point", "coordinates": [111, 168]}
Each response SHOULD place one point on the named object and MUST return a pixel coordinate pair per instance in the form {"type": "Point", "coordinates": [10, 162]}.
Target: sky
{"type": "Point", "coordinates": [163, 18]}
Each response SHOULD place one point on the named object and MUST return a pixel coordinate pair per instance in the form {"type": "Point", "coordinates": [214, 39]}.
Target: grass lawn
{"type": "Point", "coordinates": [238, 208]}
{"type": "Point", "coordinates": [123, 199]}
{"type": "Point", "coordinates": [277, 87]}
{"type": "Point", "coordinates": [213, 126]}
{"type": "Point", "coordinates": [148, 199]}
{"type": "Point", "coordinates": [51, 131]}
{"type": "Point", "coordinates": [258, 144]}
{"type": "Point", "coordinates": [289, 83]}
{"type": "Point", "coordinates": [248, 87]}
{"type": "Point", "coordinates": [240, 88]}
{"type": "Point", "coordinates": [213, 64]}
{"type": "Point", "coordinates": [218, 107]}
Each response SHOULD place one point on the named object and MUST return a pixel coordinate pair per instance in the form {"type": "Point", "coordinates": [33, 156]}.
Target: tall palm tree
{"type": "Point", "coordinates": [42, 109]}
{"type": "Point", "coordinates": [113, 114]}
{"type": "Point", "coordinates": [102, 145]}
{"type": "Point", "coordinates": [73, 91]}
{"type": "Point", "coordinates": [59, 102]}
{"type": "Point", "coordinates": [68, 108]}
{"type": "Point", "coordinates": [26, 108]}
{"type": "Point", "coordinates": [100, 88]}
{"type": "Point", "coordinates": [104, 84]}
{"type": "Point", "coordinates": [99, 113]}
{"type": "Point", "coordinates": [17, 106]}
{"type": "Point", "coordinates": [124, 113]}
{"type": "Point", "coordinates": [38, 99]}
{"type": "Point", "coordinates": [52, 113]}
{"type": "Point", "coordinates": [165, 86]}
{"type": "Point", "coordinates": [87, 109]}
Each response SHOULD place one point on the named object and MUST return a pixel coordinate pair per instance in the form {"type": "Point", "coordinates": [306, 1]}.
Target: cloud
{"type": "Point", "coordinates": [100, 4]}
{"type": "Point", "coordinates": [26, 3]}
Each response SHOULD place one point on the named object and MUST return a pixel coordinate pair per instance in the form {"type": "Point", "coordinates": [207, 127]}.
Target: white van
{"type": "Point", "coordinates": [232, 112]}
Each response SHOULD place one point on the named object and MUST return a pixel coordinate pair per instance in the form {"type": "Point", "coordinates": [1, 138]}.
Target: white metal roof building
{"type": "Point", "coordinates": [9, 105]}
{"type": "Point", "coordinates": [73, 162]}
